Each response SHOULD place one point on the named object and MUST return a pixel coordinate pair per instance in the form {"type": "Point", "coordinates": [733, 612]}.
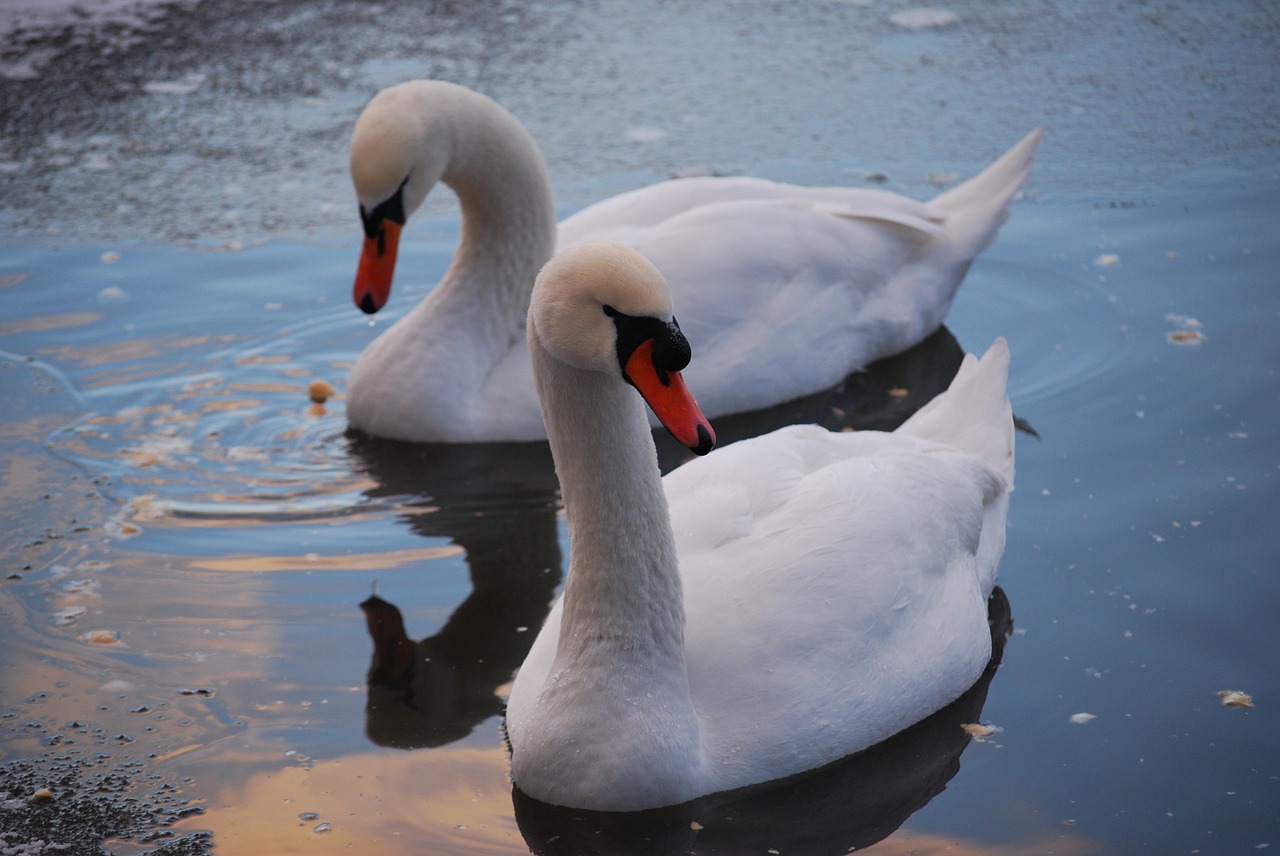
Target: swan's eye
{"type": "Point", "coordinates": [671, 352]}
{"type": "Point", "coordinates": [392, 209]}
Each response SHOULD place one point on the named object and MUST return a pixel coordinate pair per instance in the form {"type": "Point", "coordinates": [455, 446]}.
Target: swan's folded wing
{"type": "Point", "coordinates": [630, 217]}
{"type": "Point", "coordinates": [647, 207]}
{"type": "Point", "coordinates": [866, 571]}
{"type": "Point", "coordinates": [918, 216]}
{"type": "Point", "coordinates": [720, 498]}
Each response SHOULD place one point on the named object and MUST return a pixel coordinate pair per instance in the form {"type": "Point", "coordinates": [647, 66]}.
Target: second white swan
{"type": "Point", "coordinates": [785, 290]}
{"type": "Point", "coordinates": [779, 604]}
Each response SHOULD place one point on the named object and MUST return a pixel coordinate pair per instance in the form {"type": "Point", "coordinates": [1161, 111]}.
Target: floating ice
{"type": "Point", "coordinates": [188, 84]}
{"type": "Point", "coordinates": [924, 19]}
{"type": "Point", "coordinates": [118, 686]}
{"type": "Point", "coordinates": [646, 134]}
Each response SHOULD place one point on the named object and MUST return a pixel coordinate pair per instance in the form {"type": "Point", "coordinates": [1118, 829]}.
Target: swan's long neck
{"type": "Point", "coordinates": [508, 211]}
{"type": "Point", "coordinates": [623, 601]}
{"type": "Point", "coordinates": [618, 687]}
{"type": "Point", "coordinates": [508, 224]}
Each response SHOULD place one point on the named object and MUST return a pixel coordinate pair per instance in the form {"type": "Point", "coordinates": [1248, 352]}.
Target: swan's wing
{"type": "Point", "coordinates": [849, 555]}
{"type": "Point", "coordinates": [783, 290]}
{"type": "Point", "coordinates": [918, 217]}
{"type": "Point", "coordinates": [630, 214]}
{"type": "Point", "coordinates": [781, 298]}
{"type": "Point", "coordinates": [650, 206]}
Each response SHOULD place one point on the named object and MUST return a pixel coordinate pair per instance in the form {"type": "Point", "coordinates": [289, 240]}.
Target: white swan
{"type": "Point", "coordinates": [820, 591]}
{"type": "Point", "coordinates": [785, 290]}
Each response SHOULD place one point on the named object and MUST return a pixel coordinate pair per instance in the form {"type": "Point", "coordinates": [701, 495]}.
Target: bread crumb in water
{"type": "Point", "coordinates": [1186, 337]}
{"type": "Point", "coordinates": [1235, 698]}
{"type": "Point", "coordinates": [320, 391]}
{"type": "Point", "coordinates": [979, 731]}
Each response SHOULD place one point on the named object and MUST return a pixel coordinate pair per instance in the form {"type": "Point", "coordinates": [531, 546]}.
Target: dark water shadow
{"type": "Point", "coordinates": [847, 805]}
{"type": "Point", "coordinates": [499, 503]}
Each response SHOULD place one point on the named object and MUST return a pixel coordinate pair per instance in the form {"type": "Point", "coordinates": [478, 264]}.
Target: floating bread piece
{"type": "Point", "coordinates": [1235, 698]}
{"type": "Point", "coordinates": [320, 391]}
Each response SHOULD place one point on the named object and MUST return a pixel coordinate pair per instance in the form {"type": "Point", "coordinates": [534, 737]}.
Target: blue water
{"type": "Point", "coordinates": [1141, 523]}
{"type": "Point", "coordinates": [192, 536]}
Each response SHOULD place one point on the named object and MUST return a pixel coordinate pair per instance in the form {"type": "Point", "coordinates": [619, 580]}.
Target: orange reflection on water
{"type": "Point", "coordinates": [120, 351]}
{"type": "Point", "coordinates": [228, 405]}
{"type": "Point", "coordinates": [455, 800]}
{"type": "Point", "coordinates": [315, 562]}
{"type": "Point", "coordinates": [267, 386]}
{"type": "Point", "coordinates": [259, 359]}
{"type": "Point", "coordinates": [128, 415]}
{"type": "Point", "coordinates": [45, 323]}
{"type": "Point", "coordinates": [113, 377]}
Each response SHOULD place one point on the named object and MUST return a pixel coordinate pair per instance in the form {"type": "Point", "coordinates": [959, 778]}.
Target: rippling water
{"type": "Point", "coordinates": [187, 601]}
{"type": "Point", "coordinates": [194, 540]}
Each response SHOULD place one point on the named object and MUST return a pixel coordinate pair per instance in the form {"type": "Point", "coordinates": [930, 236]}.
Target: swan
{"type": "Point", "coordinates": [776, 605]}
{"type": "Point", "coordinates": [762, 270]}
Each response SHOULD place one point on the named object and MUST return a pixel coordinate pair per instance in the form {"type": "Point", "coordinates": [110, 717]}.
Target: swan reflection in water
{"type": "Point", "coordinates": [847, 805]}
{"type": "Point", "coordinates": [499, 503]}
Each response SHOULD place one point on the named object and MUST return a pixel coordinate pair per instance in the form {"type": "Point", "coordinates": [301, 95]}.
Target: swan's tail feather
{"type": "Point", "coordinates": [978, 208]}
{"type": "Point", "coordinates": [974, 413]}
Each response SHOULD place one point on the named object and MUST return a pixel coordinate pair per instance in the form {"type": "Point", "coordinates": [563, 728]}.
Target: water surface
{"type": "Point", "coordinates": [197, 537]}
{"type": "Point", "coordinates": [192, 539]}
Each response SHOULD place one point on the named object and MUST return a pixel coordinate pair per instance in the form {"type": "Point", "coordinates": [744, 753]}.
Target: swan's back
{"type": "Point", "coordinates": [761, 269]}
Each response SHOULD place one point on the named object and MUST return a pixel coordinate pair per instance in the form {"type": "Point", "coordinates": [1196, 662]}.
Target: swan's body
{"type": "Point", "coordinates": [785, 289]}
{"type": "Point", "coordinates": [784, 602]}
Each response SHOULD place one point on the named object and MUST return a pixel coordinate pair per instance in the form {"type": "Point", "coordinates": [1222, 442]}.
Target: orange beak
{"type": "Point", "coordinates": [377, 266]}
{"type": "Point", "coordinates": [670, 400]}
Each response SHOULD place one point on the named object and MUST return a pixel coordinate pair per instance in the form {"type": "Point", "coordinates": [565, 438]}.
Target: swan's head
{"type": "Point", "coordinates": [398, 153]}
{"type": "Point", "coordinates": [604, 307]}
